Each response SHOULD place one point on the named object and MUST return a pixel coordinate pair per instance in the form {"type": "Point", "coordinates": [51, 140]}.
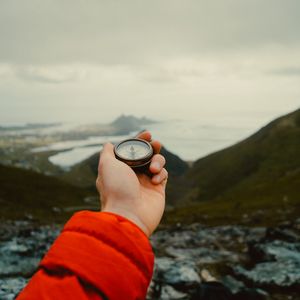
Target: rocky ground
{"type": "Point", "coordinates": [254, 263]}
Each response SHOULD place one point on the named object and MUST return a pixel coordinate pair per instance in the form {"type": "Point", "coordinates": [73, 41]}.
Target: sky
{"type": "Point", "coordinates": [91, 60]}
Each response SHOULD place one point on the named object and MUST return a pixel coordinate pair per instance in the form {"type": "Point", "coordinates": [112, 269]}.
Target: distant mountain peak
{"type": "Point", "coordinates": [128, 123]}
{"type": "Point", "coordinates": [130, 118]}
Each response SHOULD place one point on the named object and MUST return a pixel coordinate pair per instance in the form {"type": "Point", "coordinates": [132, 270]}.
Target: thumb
{"type": "Point", "coordinates": [106, 155]}
{"type": "Point", "coordinates": [107, 151]}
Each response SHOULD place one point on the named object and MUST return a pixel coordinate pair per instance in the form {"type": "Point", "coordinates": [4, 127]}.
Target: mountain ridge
{"type": "Point", "coordinates": [262, 170]}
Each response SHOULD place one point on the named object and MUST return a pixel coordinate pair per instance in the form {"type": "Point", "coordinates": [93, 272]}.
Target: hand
{"type": "Point", "coordinates": [137, 197]}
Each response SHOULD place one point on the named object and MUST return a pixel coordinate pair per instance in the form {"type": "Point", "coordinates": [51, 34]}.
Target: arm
{"type": "Point", "coordinates": [97, 256]}
{"type": "Point", "coordinates": [106, 255]}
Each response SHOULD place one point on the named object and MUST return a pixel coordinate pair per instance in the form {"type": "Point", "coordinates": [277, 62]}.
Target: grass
{"type": "Point", "coordinates": [264, 205]}
{"type": "Point", "coordinates": [25, 194]}
{"type": "Point", "coordinates": [255, 181]}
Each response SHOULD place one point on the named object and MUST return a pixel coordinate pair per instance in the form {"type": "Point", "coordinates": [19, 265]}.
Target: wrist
{"type": "Point", "coordinates": [129, 216]}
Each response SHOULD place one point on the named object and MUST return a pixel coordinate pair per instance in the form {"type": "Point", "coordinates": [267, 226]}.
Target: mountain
{"type": "Point", "coordinates": [126, 124]}
{"type": "Point", "coordinates": [27, 194]}
{"type": "Point", "coordinates": [256, 180]}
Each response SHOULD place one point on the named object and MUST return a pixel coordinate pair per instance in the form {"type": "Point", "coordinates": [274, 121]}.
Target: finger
{"type": "Point", "coordinates": [157, 163]}
{"type": "Point", "coordinates": [106, 154]}
{"type": "Point", "coordinates": [156, 145]}
{"type": "Point", "coordinates": [161, 177]}
{"type": "Point", "coordinates": [144, 135]}
{"type": "Point", "coordinates": [108, 150]}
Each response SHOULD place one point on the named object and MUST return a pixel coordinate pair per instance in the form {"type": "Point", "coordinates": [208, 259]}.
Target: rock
{"type": "Point", "coordinates": [241, 292]}
{"type": "Point", "coordinates": [21, 252]}
{"type": "Point", "coordinates": [169, 293]}
{"type": "Point", "coordinates": [182, 253]}
{"type": "Point", "coordinates": [251, 294]}
{"type": "Point", "coordinates": [203, 255]}
{"type": "Point", "coordinates": [14, 247]}
{"type": "Point", "coordinates": [179, 238]}
{"type": "Point", "coordinates": [275, 257]}
{"type": "Point", "coordinates": [278, 251]}
{"type": "Point", "coordinates": [10, 287]}
{"type": "Point", "coordinates": [256, 234]}
{"type": "Point", "coordinates": [280, 274]}
{"type": "Point", "coordinates": [179, 274]}
{"type": "Point", "coordinates": [287, 235]}
{"type": "Point", "coordinates": [211, 290]}
{"type": "Point", "coordinates": [16, 266]}
{"type": "Point", "coordinates": [279, 264]}
{"type": "Point", "coordinates": [233, 285]}
{"type": "Point", "coordinates": [166, 292]}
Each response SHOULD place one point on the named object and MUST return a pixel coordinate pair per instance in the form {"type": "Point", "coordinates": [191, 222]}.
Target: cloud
{"type": "Point", "coordinates": [104, 57]}
{"type": "Point", "coordinates": [286, 71]}
{"type": "Point", "coordinates": [137, 32]}
{"type": "Point", "coordinates": [45, 75]}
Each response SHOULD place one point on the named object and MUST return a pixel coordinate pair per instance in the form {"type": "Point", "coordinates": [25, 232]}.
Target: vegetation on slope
{"type": "Point", "coordinates": [27, 194]}
{"type": "Point", "coordinates": [256, 180]}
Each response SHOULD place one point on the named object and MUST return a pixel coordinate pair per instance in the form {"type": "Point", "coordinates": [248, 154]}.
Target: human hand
{"type": "Point", "coordinates": [137, 197]}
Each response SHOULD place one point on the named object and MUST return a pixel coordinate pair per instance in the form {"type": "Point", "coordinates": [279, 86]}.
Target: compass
{"type": "Point", "coordinates": [136, 153]}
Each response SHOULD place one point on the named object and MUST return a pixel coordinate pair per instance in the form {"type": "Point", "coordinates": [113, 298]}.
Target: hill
{"type": "Point", "coordinates": [126, 124]}
{"type": "Point", "coordinates": [84, 173]}
{"type": "Point", "coordinates": [26, 194]}
{"type": "Point", "coordinates": [255, 181]}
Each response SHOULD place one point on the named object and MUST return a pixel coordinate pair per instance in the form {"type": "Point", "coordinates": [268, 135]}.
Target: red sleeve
{"type": "Point", "coordinates": [97, 256]}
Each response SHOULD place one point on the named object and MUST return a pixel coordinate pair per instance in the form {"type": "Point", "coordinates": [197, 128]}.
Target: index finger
{"type": "Point", "coordinates": [156, 145]}
{"type": "Point", "coordinates": [146, 135]}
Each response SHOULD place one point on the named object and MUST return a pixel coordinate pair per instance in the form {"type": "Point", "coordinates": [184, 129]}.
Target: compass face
{"type": "Point", "coordinates": [134, 152]}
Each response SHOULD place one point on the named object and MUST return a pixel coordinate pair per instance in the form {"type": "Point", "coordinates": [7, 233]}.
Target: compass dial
{"type": "Point", "coordinates": [134, 152]}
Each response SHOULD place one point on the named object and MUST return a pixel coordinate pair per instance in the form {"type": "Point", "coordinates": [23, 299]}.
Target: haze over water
{"type": "Point", "coordinates": [189, 137]}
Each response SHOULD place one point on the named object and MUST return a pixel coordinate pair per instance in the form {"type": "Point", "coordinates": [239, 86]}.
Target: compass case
{"type": "Point", "coordinates": [135, 163]}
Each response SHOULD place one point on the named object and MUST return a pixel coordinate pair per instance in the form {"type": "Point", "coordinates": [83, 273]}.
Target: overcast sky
{"type": "Point", "coordinates": [91, 60]}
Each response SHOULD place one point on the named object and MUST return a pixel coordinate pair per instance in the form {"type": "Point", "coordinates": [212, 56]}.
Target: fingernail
{"type": "Point", "coordinates": [156, 165]}
{"type": "Point", "coordinates": [157, 178]}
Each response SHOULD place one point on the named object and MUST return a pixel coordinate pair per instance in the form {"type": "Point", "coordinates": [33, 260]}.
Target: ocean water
{"type": "Point", "coordinates": [67, 159]}
{"type": "Point", "coordinates": [193, 140]}
{"type": "Point", "coordinates": [78, 150]}
{"type": "Point", "coordinates": [190, 140]}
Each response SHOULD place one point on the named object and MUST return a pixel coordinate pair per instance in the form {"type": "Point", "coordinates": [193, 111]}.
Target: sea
{"type": "Point", "coordinates": [189, 139]}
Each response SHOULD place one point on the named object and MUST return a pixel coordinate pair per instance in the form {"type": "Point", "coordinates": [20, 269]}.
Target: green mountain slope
{"type": "Point", "coordinates": [26, 194]}
{"type": "Point", "coordinates": [256, 180]}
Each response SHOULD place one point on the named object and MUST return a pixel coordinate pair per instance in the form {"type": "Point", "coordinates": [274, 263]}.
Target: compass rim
{"type": "Point", "coordinates": [135, 162]}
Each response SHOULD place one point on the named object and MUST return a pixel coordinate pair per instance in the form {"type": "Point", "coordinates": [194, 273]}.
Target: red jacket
{"type": "Point", "coordinates": [97, 256]}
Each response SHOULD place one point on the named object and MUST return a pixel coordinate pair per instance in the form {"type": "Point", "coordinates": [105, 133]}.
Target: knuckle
{"type": "Point", "coordinates": [160, 158]}
{"type": "Point", "coordinates": [166, 172]}
{"type": "Point", "coordinates": [98, 181]}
